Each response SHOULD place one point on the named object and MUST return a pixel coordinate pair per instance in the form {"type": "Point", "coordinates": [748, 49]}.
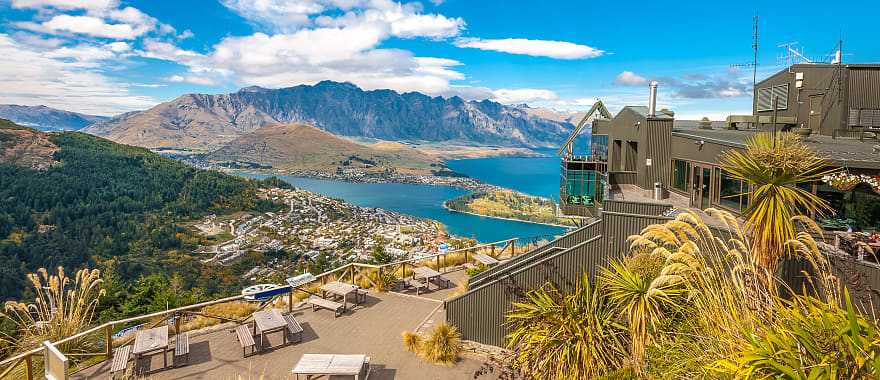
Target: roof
{"type": "Point", "coordinates": [841, 151]}
{"type": "Point", "coordinates": [643, 111]}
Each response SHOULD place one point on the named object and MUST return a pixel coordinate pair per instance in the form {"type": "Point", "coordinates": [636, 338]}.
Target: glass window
{"type": "Point", "coordinates": [599, 147]}
{"type": "Point", "coordinates": [680, 175]}
{"type": "Point", "coordinates": [730, 191]}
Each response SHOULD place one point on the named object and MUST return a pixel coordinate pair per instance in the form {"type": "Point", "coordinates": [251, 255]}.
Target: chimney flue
{"type": "Point", "coordinates": [652, 99]}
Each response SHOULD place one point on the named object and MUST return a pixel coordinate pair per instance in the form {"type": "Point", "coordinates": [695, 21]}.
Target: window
{"type": "Point", "coordinates": [732, 193]}
{"type": "Point", "coordinates": [680, 175]}
{"type": "Point", "coordinates": [764, 101]}
{"type": "Point", "coordinates": [599, 147]}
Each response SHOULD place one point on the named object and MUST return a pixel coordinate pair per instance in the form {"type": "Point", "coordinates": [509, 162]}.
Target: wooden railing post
{"type": "Point", "coordinates": [493, 251]}
{"type": "Point", "coordinates": [29, 367]}
{"type": "Point", "coordinates": [290, 301]}
{"type": "Point", "coordinates": [438, 263]}
{"type": "Point", "coordinates": [465, 255]}
{"type": "Point", "coordinates": [108, 341]}
{"type": "Point", "coordinates": [177, 317]}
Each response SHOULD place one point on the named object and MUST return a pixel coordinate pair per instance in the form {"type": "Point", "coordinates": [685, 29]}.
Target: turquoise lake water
{"type": "Point", "coordinates": [537, 176]}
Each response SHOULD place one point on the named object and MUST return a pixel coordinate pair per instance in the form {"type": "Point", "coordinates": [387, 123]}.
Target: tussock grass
{"type": "Point", "coordinates": [412, 342]}
{"type": "Point", "coordinates": [232, 310]}
{"type": "Point", "coordinates": [442, 345]}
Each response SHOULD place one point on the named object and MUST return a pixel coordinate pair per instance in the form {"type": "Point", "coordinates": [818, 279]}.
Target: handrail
{"type": "Point", "coordinates": [109, 325]}
{"type": "Point", "coordinates": [520, 270]}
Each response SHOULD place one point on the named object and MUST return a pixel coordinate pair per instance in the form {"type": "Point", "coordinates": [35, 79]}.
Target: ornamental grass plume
{"type": "Point", "coordinates": [63, 307]}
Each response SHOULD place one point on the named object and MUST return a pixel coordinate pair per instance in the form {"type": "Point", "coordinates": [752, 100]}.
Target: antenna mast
{"type": "Point", "coordinates": [754, 64]}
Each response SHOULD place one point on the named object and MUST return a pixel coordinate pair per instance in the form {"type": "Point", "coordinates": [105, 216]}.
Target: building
{"type": "Point", "coordinates": [643, 166]}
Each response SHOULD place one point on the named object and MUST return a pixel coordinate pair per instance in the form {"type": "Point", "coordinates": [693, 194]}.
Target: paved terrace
{"type": "Point", "coordinates": [373, 328]}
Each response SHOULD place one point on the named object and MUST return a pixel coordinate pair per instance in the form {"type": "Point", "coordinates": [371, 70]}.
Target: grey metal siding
{"type": "Point", "coordinates": [657, 142]}
{"type": "Point", "coordinates": [640, 208]}
{"type": "Point", "coordinates": [566, 241]}
{"type": "Point", "coordinates": [864, 88]}
{"type": "Point", "coordinates": [479, 313]}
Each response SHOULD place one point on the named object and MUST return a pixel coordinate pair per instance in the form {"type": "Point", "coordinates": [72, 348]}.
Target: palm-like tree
{"type": "Point", "coordinates": [573, 335]}
{"type": "Point", "coordinates": [643, 297]}
{"type": "Point", "coordinates": [774, 164]}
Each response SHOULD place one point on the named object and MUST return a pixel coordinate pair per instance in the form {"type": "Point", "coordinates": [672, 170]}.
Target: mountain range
{"type": "Point", "coordinates": [47, 118]}
{"type": "Point", "coordinates": [303, 147]}
{"type": "Point", "coordinates": [207, 122]}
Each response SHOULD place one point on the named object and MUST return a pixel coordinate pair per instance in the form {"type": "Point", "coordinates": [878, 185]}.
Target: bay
{"type": "Point", "coordinates": [537, 176]}
{"type": "Point", "coordinates": [424, 201]}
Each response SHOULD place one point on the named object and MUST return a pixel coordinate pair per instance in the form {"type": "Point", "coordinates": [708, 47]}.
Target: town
{"type": "Point", "coordinates": [314, 228]}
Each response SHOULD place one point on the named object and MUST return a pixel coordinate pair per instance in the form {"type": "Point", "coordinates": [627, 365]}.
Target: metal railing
{"type": "Point", "coordinates": [350, 270]}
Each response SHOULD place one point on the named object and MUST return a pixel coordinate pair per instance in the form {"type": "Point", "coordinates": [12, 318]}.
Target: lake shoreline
{"type": "Point", "coordinates": [504, 218]}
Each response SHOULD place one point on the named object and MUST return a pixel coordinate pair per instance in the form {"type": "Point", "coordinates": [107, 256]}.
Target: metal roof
{"type": "Point", "coordinates": [841, 151]}
{"type": "Point", "coordinates": [643, 111]}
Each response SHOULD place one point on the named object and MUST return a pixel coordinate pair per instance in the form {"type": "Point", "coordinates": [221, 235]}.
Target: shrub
{"type": "Point", "coordinates": [442, 345]}
{"type": "Point", "coordinates": [412, 342]}
{"type": "Point", "coordinates": [480, 268]}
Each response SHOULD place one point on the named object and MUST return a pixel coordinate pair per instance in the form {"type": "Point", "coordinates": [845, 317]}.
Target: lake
{"type": "Point", "coordinates": [424, 201]}
{"type": "Point", "coordinates": [531, 175]}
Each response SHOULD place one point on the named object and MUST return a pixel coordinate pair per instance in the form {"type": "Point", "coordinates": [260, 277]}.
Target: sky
{"type": "Point", "coordinates": [106, 57]}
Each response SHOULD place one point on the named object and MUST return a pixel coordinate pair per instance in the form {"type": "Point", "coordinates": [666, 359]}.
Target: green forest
{"type": "Point", "coordinates": [118, 208]}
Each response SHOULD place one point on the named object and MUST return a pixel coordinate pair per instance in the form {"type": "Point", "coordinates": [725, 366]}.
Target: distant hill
{"type": "Point", "coordinates": [571, 117]}
{"type": "Point", "coordinates": [47, 118]}
{"type": "Point", "coordinates": [92, 201]}
{"type": "Point", "coordinates": [209, 121]}
{"type": "Point", "coordinates": [303, 147]}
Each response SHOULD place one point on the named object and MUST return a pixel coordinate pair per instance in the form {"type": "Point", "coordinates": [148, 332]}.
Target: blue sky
{"type": "Point", "coordinates": [111, 56]}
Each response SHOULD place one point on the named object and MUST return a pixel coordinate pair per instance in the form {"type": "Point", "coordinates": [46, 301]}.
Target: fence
{"type": "Point", "coordinates": [24, 362]}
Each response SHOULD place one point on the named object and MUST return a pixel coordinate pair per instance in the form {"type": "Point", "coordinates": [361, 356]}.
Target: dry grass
{"type": "Point", "coordinates": [442, 345]}
{"type": "Point", "coordinates": [412, 342]}
{"type": "Point", "coordinates": [231, 310]}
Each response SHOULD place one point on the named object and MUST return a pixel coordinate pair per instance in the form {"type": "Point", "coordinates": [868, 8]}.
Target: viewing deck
{"type": "Point", "coordinates": [372, 328]}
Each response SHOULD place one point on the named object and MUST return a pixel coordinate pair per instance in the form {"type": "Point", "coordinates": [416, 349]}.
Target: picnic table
{"type": "Point", "coordinates": [427, 273]}
{"type": "Point", "coordinates": [340, 289]}
{"type": "Point", "coordinates": [485, 259]}
{"type": "Point", "coordinates": [269, 321]}
{"type": "Point", "coordinates": [152, 341]}
{"type": "Point", "coordinates": [332, 365]}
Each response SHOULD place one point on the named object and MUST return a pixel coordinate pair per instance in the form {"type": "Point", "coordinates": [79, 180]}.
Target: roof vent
{"type": "Point", "coordinates": [652, 99]}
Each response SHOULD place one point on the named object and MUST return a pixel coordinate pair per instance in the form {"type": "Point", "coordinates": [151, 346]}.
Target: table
{"type": "Point", "coordinates": [151, 341]}
{"type": "Point", "coordinates": [427, 273]}
{"type": "Point", "coordinates": [269, 321]}
{"type": "Point", "coordinates": [341, 289]}
{"type": "Point", "coordinates": [330, 365]}
{"type": "Point", "coordinates": [485, 259]}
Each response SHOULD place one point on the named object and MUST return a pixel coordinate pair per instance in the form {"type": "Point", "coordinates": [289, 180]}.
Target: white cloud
{"type": "Point", "coordinates": [537, 48]}
{"type": "Point", "coordinates": [65, 4]}
{"type": "Point", "coordinates": [403, 20]}
{"type": "Point", "coordinates": [629, 78]}
{"type": "Point", "coordinates": [522, 95]}
{"type": "Point", "coordinates": [119, 46]}
{"type": "Point", "coordinates": [192, 79]}
{"type": "Point", "coordinates": [64, 78]}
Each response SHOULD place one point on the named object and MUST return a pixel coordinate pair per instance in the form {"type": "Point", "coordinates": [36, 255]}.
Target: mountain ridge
{"type": "Point", "coordinates": [47, 118]}
{"type": "Point", "coordinates": [207, 121]}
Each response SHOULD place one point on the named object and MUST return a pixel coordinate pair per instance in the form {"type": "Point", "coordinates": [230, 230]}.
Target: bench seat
{"type": "Point", "coordinates": [320, 303]}
{"type": "Point", "coordinates": [246, 339]}
{"type": "Point", "coordinates": [181, 348]}
{"type": "Point", "coordinates": [294, 328]}
{"type": "Point", "coordinates": [120, 361]}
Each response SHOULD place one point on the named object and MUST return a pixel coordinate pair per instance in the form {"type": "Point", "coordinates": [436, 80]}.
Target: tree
{"type": "Point", "coordinates": [380, 256]}
{"type": "Point", "coordinates": [774, 164]}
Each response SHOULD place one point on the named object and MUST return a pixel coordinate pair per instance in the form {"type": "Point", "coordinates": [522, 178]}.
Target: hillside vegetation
{"type": "Point", "coordinates": [104, 205]}
{"type": "Point", "coordinates": [509, 204]}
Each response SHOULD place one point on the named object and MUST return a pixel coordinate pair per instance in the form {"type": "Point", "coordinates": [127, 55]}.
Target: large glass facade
{"type": "Point", "coordinates": [858, 208]}
{"type": "Point", "coordinates": [599, 147]}
{"type": "Point", "coordinates": [586, 185]}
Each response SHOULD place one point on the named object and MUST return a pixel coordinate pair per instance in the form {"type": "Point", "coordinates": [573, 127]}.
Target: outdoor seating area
{"type": "Point", "coordinates": [422, 278]}
{"type": "Point", "coordinates": [360, 343]}
{"type": "Point", "coordinates": [862, 245]}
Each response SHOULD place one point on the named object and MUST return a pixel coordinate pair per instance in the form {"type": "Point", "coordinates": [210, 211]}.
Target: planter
{"type": "Point", "coordinates": [802, 132]}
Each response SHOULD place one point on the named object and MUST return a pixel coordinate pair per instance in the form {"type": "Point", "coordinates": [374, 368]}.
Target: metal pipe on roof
{"type": "Point", "coordinates": [652, 99]}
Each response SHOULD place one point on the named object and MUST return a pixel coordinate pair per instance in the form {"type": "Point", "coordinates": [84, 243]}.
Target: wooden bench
{"type": "Point", "coordinates": [320, 303]}
{"type": "Point", "coordinates": [246, 339]}
{"type": "Point", "coordinates": [418, 285]}
{"type": "Point", "coordinates": [361, 294]}
{"type": "Point", "coordinates": [120, 361]}
{"type": "Point", "coordinates": [181, 348]}
{"type": "Point", "coordinates": [442, 281]}
{"type": "Point", "coordinates": [293, 328]}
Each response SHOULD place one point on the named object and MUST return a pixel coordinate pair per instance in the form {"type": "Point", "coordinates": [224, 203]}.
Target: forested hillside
{"type": "Point", "coordinates": [110, 206]}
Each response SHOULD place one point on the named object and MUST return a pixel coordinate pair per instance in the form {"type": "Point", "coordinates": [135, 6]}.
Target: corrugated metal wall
{"type": "Point", "coordinates": [864, 88]}
{"type": "Point", "coordinates": [566, 241]}
{"type": "Point", "coordinates": [622, 178]}
{"type": "Point", "coordinates": [479, 313]}
{"type": "Point", "coordinates": [658, 139]}
{"type": "Point", "coordinates": [641, 208]}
